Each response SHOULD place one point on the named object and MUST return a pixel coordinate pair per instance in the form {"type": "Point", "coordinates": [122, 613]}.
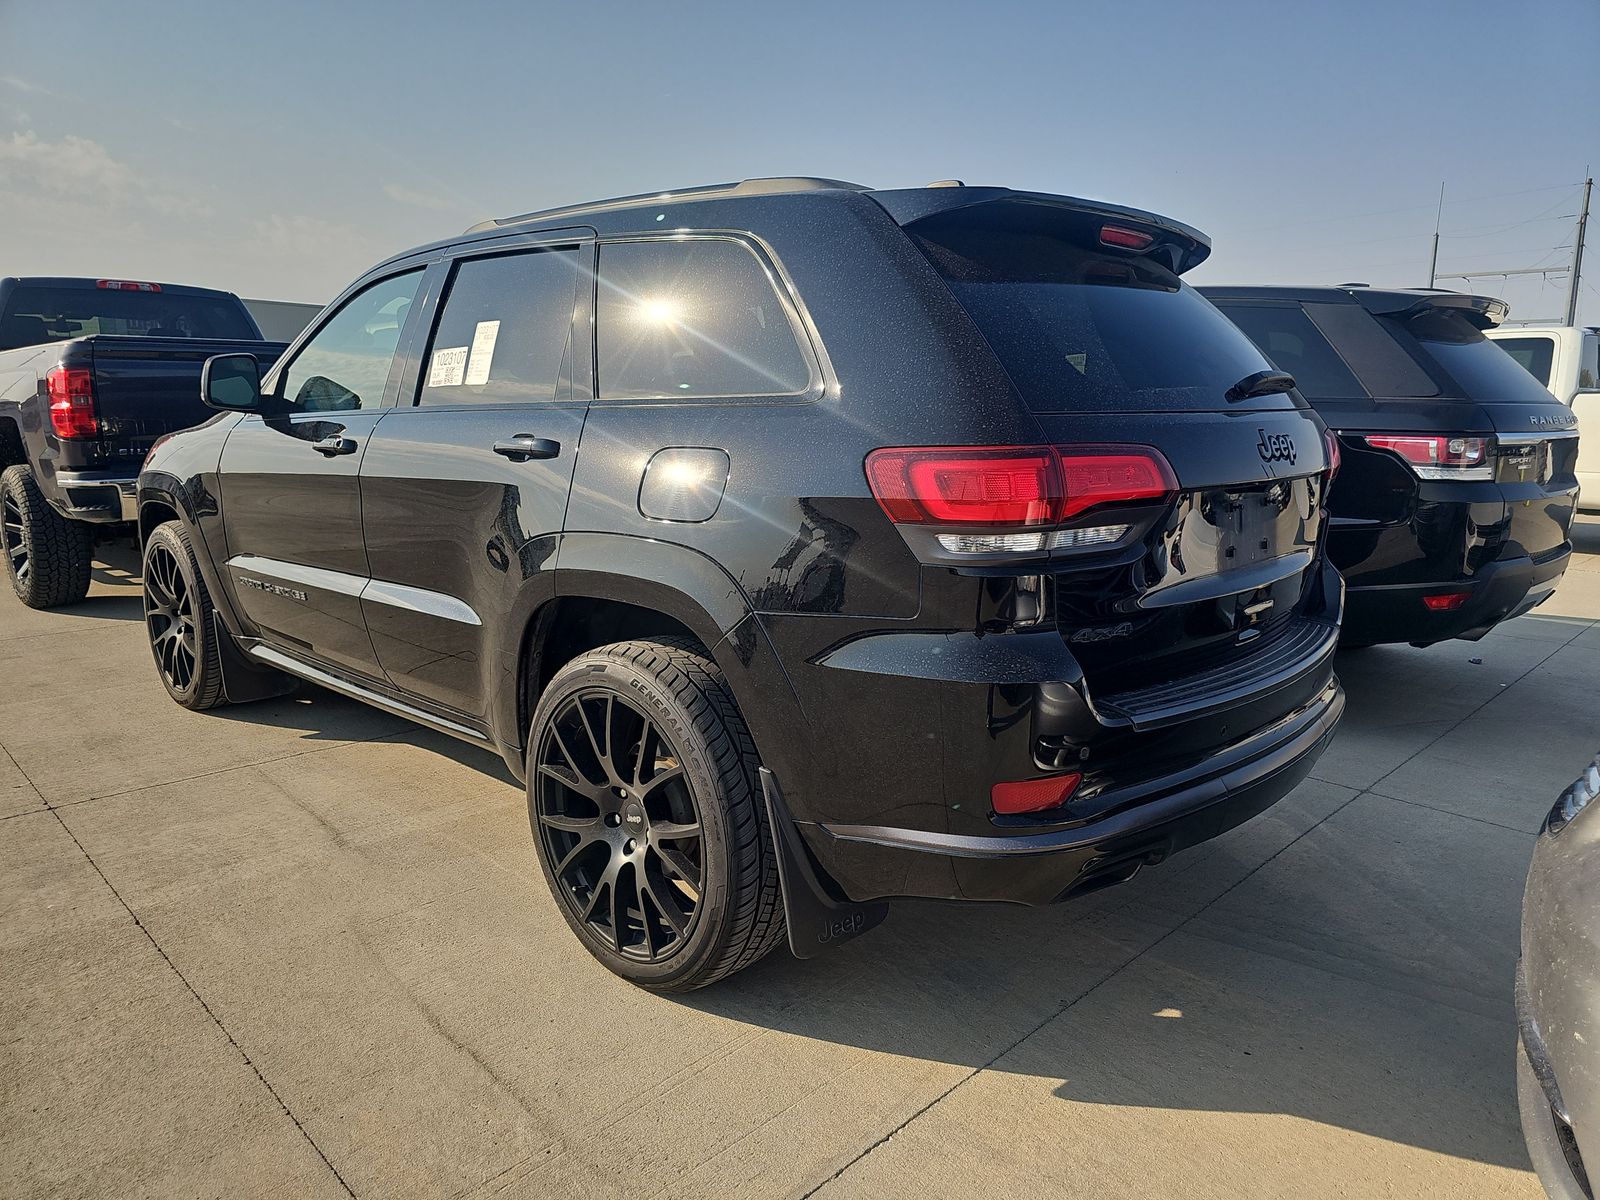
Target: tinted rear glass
{"type": "Point", "coordinates": [1286, 335]}
{"type": "Point", "coordinates": [692, 319]}
{"type": "Point", "coordinates": [1080, 328]}
{"type": "Point", "coordinates": [1482, 371]}
{"type": "Point", "coordinates": [36, 315]}
{"type": "Point", "coordinates": [1532, 354]}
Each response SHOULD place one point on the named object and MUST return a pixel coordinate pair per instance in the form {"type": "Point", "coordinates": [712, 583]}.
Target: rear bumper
{"type": "Point", "coordinates": [1498, 592]}
{"type": "Point", "coordinates": [1191, 806]}
{"type": "Point", "coordinates": [96, 497]}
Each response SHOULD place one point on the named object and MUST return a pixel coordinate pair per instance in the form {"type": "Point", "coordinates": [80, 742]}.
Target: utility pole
{"type": "Point", "coordinates": [1433, 263]}
{"type": "Point", "coordinates": [1577, 254]}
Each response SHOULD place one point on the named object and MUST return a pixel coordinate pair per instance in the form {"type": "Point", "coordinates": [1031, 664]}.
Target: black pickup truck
{"type": "Point", "coordinates": [92, 373]}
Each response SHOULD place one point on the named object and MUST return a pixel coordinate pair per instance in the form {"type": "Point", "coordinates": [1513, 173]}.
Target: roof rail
{"type": "Point", "coordinates": [761, 186]}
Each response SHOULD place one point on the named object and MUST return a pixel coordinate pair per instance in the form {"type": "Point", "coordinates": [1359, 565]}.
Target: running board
{"type": "Point", "coordinates": [816, 921]}
{"type": "Point", "coordinates": [356, 692]}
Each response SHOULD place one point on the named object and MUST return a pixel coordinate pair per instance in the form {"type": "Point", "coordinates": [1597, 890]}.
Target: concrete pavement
{"type": "Point", "coordinates": [302, 948]}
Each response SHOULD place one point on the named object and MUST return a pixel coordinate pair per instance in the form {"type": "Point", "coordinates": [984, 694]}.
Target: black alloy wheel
{"type": "Point", "coordinates": [11, 533]}
{"type": "Point", "coordinates": [169, 613]}
{"type": "Point", "coordinates": [619, 825]}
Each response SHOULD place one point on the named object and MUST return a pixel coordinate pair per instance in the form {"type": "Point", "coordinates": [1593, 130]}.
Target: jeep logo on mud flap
{"type": "Point", "coordinates": [842, 927]}
{"type": "Point", "coordinates": [1276, 447]}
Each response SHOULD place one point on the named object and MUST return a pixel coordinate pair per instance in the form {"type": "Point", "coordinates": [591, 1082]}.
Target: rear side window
{"type": "Point", "coordinates": [1286, 335]}
{"type": "Point", "coordinates": [1533, 355]}
{"type": "Point", "coordinates": [1481, 370]}
{"type": "Point", "coordinates": [505, 330]}
{"type": "Point", "coordinates": [1083, 329]}
{"type": "Point", "coordinates": [692, 318]}
{"type": "Point", "coordinates": [50, 314]}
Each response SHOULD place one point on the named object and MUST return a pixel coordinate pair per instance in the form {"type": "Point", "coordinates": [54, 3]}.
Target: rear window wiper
{"type": "Point", "coordinates": [1262, 383]}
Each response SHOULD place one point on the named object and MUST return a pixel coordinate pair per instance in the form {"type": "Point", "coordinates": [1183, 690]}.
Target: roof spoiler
{"type": "Point", "coordinates": [760, 186]}
{"type": "Point", "coordinates": [1189, 247]}
{"type": "Point", "coordinates": [1485, 312]}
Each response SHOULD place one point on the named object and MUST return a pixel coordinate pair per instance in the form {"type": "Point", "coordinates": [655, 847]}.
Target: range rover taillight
{"type": "Point", "coordinates": [1012, 499]}
{"type": "Point", "coordinates": [1440, 457]}
{"type": "Point", "coordinates": [71, 391]}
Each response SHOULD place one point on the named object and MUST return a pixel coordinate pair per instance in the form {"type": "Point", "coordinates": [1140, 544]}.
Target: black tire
{"type": "Point", "coordinates": [643, 738]}
{"type": "Point", "coordinates": [178, 620]}
{"type": "Point", "coordinates": [48, 557]}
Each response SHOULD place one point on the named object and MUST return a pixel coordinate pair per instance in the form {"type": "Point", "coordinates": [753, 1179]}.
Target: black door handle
{"type": "Point", "coordinates": [335, 443]}
{"type": "Point", "coordinates": [524, 446]}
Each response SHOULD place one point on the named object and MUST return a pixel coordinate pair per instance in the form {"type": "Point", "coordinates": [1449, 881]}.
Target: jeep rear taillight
{"type": "Point", "coordinates": [1009, 498]}
{"type": "Point", "coordinates": [1335, 458]}
{"type": "Point", "coordinates": [1442, 456]}
{"type": "Point", "coordinates": [71, 391]}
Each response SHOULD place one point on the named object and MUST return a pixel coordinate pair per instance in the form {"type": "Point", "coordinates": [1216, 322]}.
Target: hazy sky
{"type": "Point", "coordinates": [279, 148]}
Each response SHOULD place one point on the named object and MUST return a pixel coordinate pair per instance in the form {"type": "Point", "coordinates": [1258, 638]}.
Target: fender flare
{"type": "Point", "coordinates": [695, 591]}
{"type": "Point", "coordinates": [159, 487]}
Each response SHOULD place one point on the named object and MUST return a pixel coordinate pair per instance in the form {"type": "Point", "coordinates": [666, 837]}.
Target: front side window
{"type": "Point", "coordinates": [346, 363]}
{"type": "Point", "coordinates": [504, 331]}
{"type": "Point", "coordinates": [1532, 354]}
{"type": "Point", "coordinates": [692, 318]}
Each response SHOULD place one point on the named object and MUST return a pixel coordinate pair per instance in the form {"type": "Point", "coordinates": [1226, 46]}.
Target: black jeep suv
{"type": "Point", "coordinates": [1456, 498]}
{"type": "Point", "coordinates": [801, 545]}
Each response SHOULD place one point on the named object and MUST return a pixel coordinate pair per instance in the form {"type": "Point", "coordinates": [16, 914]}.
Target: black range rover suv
{"type": "Point", "coordinates": [801, 545]}
{"type": "Point", "coordinates": [1458, 487]}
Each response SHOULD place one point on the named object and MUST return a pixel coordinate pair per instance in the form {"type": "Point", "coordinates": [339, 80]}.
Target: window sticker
{"type": "Point", "coordinates": [448, 366]}
{"type": "Point", "coordinates": [483, 340]}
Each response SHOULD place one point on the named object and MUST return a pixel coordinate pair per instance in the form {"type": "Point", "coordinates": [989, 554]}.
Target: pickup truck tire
{"type": "Point", "coordinates": [48, 557]}
{"type": "Point", "coordinates": [647, 815]}
{"type": "Point", "coordinates": [179, 619]}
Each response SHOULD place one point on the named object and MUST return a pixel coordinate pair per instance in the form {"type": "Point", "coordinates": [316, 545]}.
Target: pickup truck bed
{"type": "Point", "coordinates": [78, 414]}
{"type": "Point", "coordinates": [143, 389]}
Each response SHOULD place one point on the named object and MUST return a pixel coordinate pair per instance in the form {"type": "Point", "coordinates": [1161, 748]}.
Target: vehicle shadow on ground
{"type": "Point", "coordinates": [1395, 1022]}
{"type": "Point", "coordinates": [115, 592]}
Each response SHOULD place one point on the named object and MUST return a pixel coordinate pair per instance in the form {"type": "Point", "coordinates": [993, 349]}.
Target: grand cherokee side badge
{"type": "Point", "coordinates": [275, 589]}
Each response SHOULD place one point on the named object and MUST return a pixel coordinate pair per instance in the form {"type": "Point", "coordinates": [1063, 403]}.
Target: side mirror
{"type": "Point", "coordinates": [232, 382]}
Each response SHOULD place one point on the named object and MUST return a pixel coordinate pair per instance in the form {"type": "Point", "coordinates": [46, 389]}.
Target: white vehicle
{"type": "Point", "coordinates": [1566, 359]}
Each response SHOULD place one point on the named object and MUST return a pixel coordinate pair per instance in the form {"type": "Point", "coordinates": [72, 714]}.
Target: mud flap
{"type": "Point", "coordinates": [244, 679]}
{"type": "Point", "coordinates": [817, 922]}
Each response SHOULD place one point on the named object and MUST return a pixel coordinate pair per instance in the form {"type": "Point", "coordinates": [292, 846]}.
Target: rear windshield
{"type": "Point", "coordinates": [1481, 369]}
{"type": "Point", "coordinates": [1342, 351]}
{"type": "Point", "coordinates": [1083, 329]}
{"type": "Point", "coordinates": [50, 314]}
{"type": "Point", "coordinates": [1532, 354]}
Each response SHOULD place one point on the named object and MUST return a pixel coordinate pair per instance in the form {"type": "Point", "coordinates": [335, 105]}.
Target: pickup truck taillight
{"type": "Point", "coordinates": [72, 402]}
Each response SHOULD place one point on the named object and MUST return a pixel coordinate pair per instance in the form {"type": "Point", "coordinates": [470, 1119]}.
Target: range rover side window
{"type": "Point", "coordinates": [346, 363]}
{"type": "Point", "coordinates": [505, 330]}
{"type": "Point", "coordinates": [1286, 335]}
{"type": "Point", "coordinates": [692, 318]}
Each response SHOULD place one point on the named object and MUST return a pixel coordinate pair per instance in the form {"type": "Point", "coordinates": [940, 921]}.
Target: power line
{"type": "Point", "coordinates": [1381, 212]}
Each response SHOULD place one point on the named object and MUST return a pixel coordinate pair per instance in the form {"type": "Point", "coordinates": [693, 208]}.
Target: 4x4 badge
{"type": "Point", "coordinates": [1276, 447]}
